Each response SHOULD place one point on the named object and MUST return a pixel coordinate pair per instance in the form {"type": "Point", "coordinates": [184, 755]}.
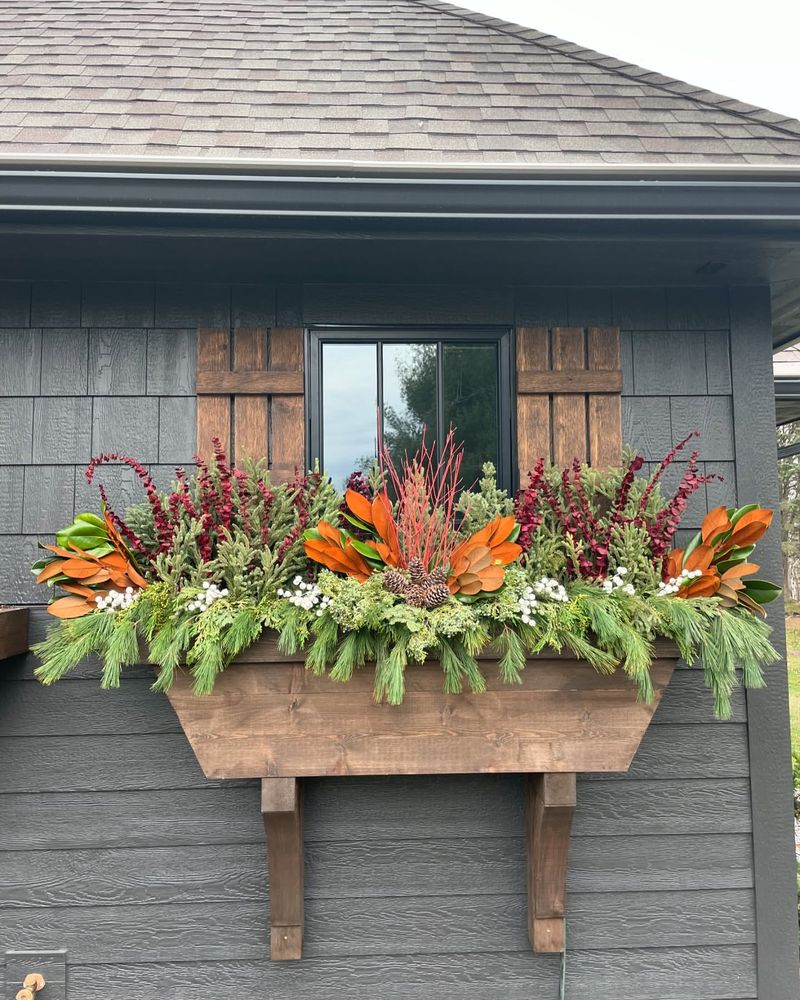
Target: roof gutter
{"type": "Point", "coordinates": [251, 189]}
{"type": "Point", "coordinates": [355, 167]}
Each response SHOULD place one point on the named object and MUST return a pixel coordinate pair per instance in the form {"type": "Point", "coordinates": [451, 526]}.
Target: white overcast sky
{"type": "Point", "coordinates": [739, 48]}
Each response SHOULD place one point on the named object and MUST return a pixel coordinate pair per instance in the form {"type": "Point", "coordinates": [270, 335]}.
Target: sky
{"type": "Point", "coordinates": [746, 50]}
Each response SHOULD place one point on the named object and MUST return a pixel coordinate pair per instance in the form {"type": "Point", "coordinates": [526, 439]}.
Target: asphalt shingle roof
{"type": "Point", "coordinates": [373, 80]}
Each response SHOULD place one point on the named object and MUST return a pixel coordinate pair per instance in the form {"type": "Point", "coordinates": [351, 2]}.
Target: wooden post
{"type": "Point", "coordinates": [282, 809]}
{"type": "Point", "coordinates": [551, 806]}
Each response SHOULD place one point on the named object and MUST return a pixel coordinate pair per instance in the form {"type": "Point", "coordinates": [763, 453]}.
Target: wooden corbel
{"type": "Point", "coordinates": [551, 806]}
{"type": "Point", "coordinates": [282, 809]}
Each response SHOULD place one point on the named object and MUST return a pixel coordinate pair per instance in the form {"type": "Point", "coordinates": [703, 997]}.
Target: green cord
{"type": "Point", "coordinates": [562, 993]}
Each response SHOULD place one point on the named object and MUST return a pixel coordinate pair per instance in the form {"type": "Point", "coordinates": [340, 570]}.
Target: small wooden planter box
{"type": "Point", "coordinates": [270, 718]}
{"type": "Point", "coordinates": [13, 632]}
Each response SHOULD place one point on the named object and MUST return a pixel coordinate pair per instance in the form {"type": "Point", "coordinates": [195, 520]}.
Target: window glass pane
{"type": "Point", "coordinates": [409, 397]}
{"type": "Point", "coordinates": [349, 408]}
{"type": "Point", "coordinates": [470, 403]}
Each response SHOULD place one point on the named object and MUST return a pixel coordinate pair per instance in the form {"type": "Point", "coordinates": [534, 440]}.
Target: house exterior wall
{"type": "Point", "coordinates": [114, 847]}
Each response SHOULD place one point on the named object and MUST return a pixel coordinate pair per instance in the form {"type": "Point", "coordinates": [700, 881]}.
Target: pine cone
{"type": "Point", "coordinates": [436, 594]}
{"type": "Point", "coordinates": [437, 576]}
{"type": "Point", "coordinates": [394, 582]}
{"type": "Point", "coordinates": [417, 571]}
{"type": "Point", "coordinates": [416, 596]}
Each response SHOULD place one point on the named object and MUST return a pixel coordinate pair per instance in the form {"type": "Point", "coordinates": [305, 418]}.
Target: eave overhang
{"type": "Point", "coordinates": [750, 196]}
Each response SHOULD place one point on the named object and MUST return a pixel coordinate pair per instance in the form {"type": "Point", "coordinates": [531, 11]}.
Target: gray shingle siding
{"type": "Point", "coordinates": [113, 845]}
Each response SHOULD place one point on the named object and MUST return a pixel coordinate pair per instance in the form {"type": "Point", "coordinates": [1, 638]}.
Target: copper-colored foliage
{"type": "Point", "coordinates": [476, 565]}
{"type": "Point", "coordinates": [89, 576]}
{"type": "Point", "coordinates": [377, 514]}
{"type": "Point", "coordinates": [724, 540]}
{"type": "Point", "coordinates": [335, 550]}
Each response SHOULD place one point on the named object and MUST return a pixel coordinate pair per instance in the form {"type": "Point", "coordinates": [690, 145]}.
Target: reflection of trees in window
{"type": "Point", "coordinates": [409, 397]}
{"type": "Point", "coordinates": [469, 401]}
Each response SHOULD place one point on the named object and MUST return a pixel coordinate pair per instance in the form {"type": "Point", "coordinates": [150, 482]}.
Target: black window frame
{"type": "Point", "coordinates": [502, 336]}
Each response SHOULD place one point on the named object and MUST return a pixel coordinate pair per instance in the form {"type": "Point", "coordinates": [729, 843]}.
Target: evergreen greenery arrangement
{"type": "Point", "coordinates": [407, 567]}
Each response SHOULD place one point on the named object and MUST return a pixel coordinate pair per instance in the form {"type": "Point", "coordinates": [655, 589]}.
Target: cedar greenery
{"type": "Point", "coordinates": [222, 556]}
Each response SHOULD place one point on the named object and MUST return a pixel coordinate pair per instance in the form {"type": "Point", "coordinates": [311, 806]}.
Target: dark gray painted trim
{"type": "Point", "coordinates": [250, 194]}
{"type": "Point", "coordinates": [768, 709]}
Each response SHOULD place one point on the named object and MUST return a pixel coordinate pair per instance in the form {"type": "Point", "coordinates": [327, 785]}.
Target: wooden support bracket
{"type": "Point", "coordinates": [282, 809]}
{"type": "Point", "coordinates": [551, 806]}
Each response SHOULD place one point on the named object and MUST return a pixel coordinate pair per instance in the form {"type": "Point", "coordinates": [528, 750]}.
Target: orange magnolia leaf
{"type": "Point", "coordinates": [329, 532]}
{"type": "Point", "coordinates": [503, 528]}
{"type": "Point", "coordinates": [136, 577]}
{"type": "Point", "coordinates": [739, 570]}
{"type": "Point", "coordinates": [337, 555]}
{"type": "Point", "coordinates": [385, 527]}
{"type": "Point", "coordinates": [674, 564]}
{"type": "Point", "coordinates": [64, 553]}
{"type": "Point", "coordinates": [715, 522]}
{"type": "Point", "coordinates": [114, 561]}
{"type": "Point", "coordinates": [51, 569]}
{"type": "Point", "coordinates": [79, 569]}
{"type": "Point", "coordinates": [87, 592]}
{"type": "Point", "coordinates": [506, 552]}
{"type": "Point", "coordinates": [751, 527]}
{"type": "Point", "coordinates": [701, 558]}
{"type": "Point", "coordinates": [387, 554]}
{"type": "Point", "coordinates": [359, 506]}
{"type": "Point", "coordinates": [70, 607]}
{"type": "Point", "coordinates": [101, 576]}
{"type": "Point", "coordinates": [703, 586]}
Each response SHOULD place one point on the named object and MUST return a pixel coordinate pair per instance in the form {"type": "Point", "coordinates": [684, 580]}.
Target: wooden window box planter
{"type": "Point", "coordinates": [270, 718]}
{"type": "Point", "coordinates": [13, 632]}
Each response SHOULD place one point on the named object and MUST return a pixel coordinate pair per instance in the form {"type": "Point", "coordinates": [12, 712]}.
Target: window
{"type": "Point", "coordinates": [414, 381]}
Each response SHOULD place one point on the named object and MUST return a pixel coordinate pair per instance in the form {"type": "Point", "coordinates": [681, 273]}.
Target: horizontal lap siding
{"type": "Point", "coordinates": [112, 844]}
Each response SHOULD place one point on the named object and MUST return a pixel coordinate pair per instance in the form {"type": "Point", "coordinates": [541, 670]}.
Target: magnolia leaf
{"type": "Point", "coordinates": [355, 522]}
{"type": "Point", "coordinates": [365, 550]}
{"type": "Point", "coordinates": [696, 540]}
{"type": "Point", "coordinates": [70, 607]}
{"type": "Point", "coordinates": [762, 591]}
{"type": "Point", "coordinates": [735, 557]}
{"type": "Point", "coordinates": [736, 514]}
{"type": "Point", "coordinates": [90, 518]}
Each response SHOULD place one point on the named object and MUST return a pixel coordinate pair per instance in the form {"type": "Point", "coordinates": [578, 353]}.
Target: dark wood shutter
{"type": "Point", "coordinates": [250, 395]}
{"type": "Point", "coordinates": [569, 386]}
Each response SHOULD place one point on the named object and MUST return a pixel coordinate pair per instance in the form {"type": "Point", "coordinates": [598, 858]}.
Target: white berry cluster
{"type": "Point", "coordinates": [305, 595]}
{"type": "Point", "coordinates": [550, 590]}
{"type": "Point", "coordinates": [674, 584]}
{"type": "Point", "coordinates": [210, 593]}
{"type": "Point", "coordinates": [617, 582]}
{"type": "Point", "coordinates": [117, 600]}
{"type": "Point", "coordinates": [545, 589]}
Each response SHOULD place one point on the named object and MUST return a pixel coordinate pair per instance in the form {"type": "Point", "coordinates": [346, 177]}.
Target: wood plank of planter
{"type": "Point", "coordinates": [282, 810]}
{"type": "Point", "coordinates": [250, 383]}
{"type": "Point", "coordinates": [13, 632]}
{"type": "Point", "coordinates": [551, 806]}
{"type": "Point", "coordinates": [279, 720]}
